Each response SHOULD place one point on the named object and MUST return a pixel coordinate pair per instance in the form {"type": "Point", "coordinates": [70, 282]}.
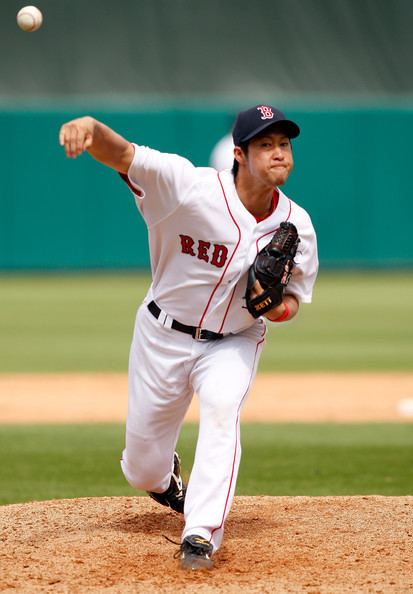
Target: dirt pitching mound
{"type": "Point", "coordinates": [309, 545]}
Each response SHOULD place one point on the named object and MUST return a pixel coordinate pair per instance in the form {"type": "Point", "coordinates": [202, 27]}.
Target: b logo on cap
{"type": "Point", "coordinates": [266, 112]}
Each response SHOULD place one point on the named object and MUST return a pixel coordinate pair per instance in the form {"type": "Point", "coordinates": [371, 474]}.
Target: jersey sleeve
{"type": "Point", "coordinates": [159, 182]}
{"type": "Point", "coordinates": [306, 269]}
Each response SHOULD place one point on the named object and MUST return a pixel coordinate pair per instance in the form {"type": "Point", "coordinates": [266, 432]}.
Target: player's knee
{"type": "Point", "coordinates": [141, 475]}
{"type": "Point", "coordinates": [221, 406]}
{"type": "Point", "coordinates": [133, 476]}
{"type": "Point", "coordinates": [222, 395]}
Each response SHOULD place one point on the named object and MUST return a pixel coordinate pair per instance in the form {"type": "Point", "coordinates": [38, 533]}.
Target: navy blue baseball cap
{"type": "Point", "coordinates": [252, 121]}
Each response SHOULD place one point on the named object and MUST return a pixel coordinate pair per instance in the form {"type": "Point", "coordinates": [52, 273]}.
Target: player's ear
{"type": "Point", "coordinates": [239, 155]}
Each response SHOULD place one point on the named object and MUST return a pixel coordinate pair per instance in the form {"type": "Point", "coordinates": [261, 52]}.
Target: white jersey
{"type": "Point", "coordinates": [203, 241]}
{"type": "Point", "coordinates": [202, 244]}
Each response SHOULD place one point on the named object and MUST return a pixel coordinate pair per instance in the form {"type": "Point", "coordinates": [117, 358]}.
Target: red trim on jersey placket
{"type": "Point", "coordinates": [227, 310]}
{"type": "Point", "coordinates": [289, 212]}
{"type": "Point", "coordinates": [229, 261]}
{"type": "Point", "coordinates": [274, 230]}
{"type": "Point", "coordinates": [236, 435]}
{"type": "Point", "coordinates": [275, 201]}
{"type": "Point", "coordinates": [274, 204]}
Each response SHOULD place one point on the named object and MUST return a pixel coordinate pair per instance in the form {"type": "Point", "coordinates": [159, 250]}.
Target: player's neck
{"type": "Point", "coordinates": [256, 198]}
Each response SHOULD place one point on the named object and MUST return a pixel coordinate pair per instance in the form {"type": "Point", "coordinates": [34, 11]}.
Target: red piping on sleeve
{"type": "Point", "coordinates": [127, 181]}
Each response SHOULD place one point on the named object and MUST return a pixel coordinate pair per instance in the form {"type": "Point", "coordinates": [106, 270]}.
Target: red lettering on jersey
{"type": "Point", "coordinates": [266, 112]}
{"type": "Point", "coordinates": [203, 247]}
{"type": "Point", "coordinates": [187, 242]}
{"type": "Point", "coordinates": [219, 257]}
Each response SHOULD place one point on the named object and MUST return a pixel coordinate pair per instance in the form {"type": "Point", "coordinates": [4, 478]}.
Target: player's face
{"type": "Point", "coordinates": [270, 158]}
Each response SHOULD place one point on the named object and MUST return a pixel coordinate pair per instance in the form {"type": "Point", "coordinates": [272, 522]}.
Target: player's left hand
{"type": "Point", "coordinates": [271, 270]}
{"type": "Point", "coordinates": [256, 289]}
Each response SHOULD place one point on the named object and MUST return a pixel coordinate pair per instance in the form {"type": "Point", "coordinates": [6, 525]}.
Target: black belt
{"type": "Point", "coordinates": [197, 333]}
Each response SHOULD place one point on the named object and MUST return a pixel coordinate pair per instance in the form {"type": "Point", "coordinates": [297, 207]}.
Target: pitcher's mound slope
{"type": "Point", "coordinates": [309, 545]}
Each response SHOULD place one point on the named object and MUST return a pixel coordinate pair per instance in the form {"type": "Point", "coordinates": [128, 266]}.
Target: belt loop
{"type": "Point", "coordinates": [165, 320]}
{"type": "Point", "coordinates": [168, 321]}
{"type": "Point", "coordinates": [162, 317]}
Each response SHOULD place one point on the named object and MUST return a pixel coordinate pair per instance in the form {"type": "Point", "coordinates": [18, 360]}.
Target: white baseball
{"type": "Point", "coordinates": [29, 19]}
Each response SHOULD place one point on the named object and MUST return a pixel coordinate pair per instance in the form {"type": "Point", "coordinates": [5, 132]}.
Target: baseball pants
{"type": "Point", "coordinates": [166, 367]}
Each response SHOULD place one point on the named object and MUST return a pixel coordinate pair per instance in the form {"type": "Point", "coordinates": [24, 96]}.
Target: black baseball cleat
{"type": "Point", "coordinates": [174, 496]}
{"type": "Point", "coordinates": [196, 553]}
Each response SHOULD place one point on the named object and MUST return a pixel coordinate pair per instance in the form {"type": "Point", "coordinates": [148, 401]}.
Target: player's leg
{"type": "Point", "coordinates": [222, 379]}
{"type": "Point", "coordinates": [159, 395]}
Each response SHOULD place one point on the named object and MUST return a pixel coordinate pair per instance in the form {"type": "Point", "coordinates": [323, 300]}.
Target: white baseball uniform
{"type": "Point", "coordinates": [202, 242]}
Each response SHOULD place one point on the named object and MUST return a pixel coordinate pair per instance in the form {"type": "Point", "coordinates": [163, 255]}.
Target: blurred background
{"type": "Point", "coordinates": [172, 74]}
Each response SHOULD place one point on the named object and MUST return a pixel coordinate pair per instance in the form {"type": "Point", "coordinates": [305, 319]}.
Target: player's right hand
{"type": "Point", "coordinates": [76, 136]}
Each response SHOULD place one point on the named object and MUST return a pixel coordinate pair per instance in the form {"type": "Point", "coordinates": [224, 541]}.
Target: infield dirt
{"type": "Point", "coordinates": [308, 545]}
{"type": "Point", "coordinates": [102, 397]}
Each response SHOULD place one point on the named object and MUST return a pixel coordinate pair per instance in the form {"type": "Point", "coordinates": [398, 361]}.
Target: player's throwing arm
{"type": "Point", "coordinates": [105, 145]}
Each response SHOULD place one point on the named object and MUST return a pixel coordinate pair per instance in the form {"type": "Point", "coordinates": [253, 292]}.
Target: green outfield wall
{"type": "Point", "coordinates": [353, 173]}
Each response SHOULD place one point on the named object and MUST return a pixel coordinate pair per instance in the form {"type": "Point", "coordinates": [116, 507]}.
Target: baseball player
{"type": "Point", "coordinates": [201, 327]}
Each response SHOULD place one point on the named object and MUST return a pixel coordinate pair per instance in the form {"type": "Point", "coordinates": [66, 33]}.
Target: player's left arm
{"type": "Point", "coordinates": [286, 310]}
{"type": "Point", "coordinates": [299, 284]}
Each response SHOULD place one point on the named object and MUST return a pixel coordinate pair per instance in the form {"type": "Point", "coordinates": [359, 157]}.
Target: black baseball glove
{"type": "Point", "coordinates": [272, 267]}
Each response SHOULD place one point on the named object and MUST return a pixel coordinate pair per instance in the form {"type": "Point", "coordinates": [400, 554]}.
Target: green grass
{"type": "Point", "coordinates": [59, 461]}
{"type": "Point", "coordinates": [327, 459]}
{"type": "Point", "coordinates": [68, 323]}
{"type": "Point", "coordinates": [357, 322]}
{"type": "Point", "coordinates": [83, 322]}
